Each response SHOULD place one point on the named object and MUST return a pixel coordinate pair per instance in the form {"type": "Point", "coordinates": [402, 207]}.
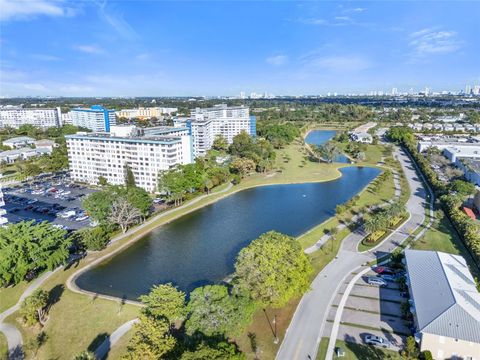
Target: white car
{"type": "Point", "coordinates": [377, 341]}
{"type": "Point", "coordinates": [81, 218]}
{"type": "Point", "coordinates": [374, 280]}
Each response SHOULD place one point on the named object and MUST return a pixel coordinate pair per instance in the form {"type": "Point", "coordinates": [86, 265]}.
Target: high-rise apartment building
{"type": "Point", "coordinates": [145, 152]}
{"type": "Point", "coordinates": [14, 117]}
{"type": "Point", "coordinates": [3, 219]}
{"type": "Point", "coordinates": [97, 118]}
{"type": "Point", "coordinates": [206, 124]}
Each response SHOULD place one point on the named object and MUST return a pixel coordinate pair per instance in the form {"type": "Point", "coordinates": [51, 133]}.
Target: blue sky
{"type": "Point", "coordinates": [156, 48]}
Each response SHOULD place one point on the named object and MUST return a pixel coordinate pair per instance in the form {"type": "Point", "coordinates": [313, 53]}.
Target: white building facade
{"type": "Point", "coordinates": [145, 113]}
{"type": "Point", "coordinates": [97, 118]}
{"type": "Point", "coordinates": [15, 117]}
{"type": "Point", "coordinates": [108, 154]}
{"type": "Point", "coordinates": [206, 124]}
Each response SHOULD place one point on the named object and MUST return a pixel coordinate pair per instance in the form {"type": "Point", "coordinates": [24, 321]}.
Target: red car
{"type": "Point", "coordinates": [384, 270]}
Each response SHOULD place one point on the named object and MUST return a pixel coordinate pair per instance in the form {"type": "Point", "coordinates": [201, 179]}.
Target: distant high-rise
{"type": "Point", "coordinates": [14, 117]}
{"type": "Point", "coordinates": [468, 89]}
{"type": "Point", "coordinates": [97, 118]}
{"type": "Point", "coordinates": [394, 91]}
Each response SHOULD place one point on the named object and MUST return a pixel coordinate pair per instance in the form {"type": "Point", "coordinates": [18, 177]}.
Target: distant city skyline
{"type": "Point", "coordinates": [116, 48]}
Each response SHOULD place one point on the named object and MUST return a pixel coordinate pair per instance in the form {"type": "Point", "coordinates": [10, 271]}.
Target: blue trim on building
{"type": "Point", "coordinates": [253, 125]}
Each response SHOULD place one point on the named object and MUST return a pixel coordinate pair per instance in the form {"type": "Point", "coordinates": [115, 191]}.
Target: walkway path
{"type": "Point", "coordinates": [305, 331]}
{"type": "Point", "coordinates": [110, 341]}
{"type": "Point", "coordinates": [14, 337]}
{"type": "Point", "coordinates": [318, 245]}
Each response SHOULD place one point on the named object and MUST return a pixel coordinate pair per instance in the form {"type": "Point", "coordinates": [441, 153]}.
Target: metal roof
{"type": "Point", "coordinates": [446, 300]}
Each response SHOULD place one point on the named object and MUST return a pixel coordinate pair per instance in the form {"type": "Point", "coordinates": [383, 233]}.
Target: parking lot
{"type": "Point", "coordinates": [55, 199]}
{"type": "Point", "coordinates": [371, 310]}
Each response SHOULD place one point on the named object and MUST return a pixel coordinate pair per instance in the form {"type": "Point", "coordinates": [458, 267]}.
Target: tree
{"type": "Point", "coordinates": [242, 144]}
{"type": "Point", "coordinates": [272, 270]}
{"type": "Point", "coordinates": [95, 238]}
{"type": "Point", "coordinates": [151, 339]}
{"type": "Point", "coordinates": [85, 355]}
{"type": "Point", "coordinates": [221, 351]}
{"type": "Point", "coordinates": [164, 302]}
{"type": "Point", "coordinates": [242, 166]}
{"type": "Point", "coordinates": [326, 152]}
{"type": "Point", "coordinates": [98, 206]}
{"type": "Point", "coordinates": [102, 181]}
{"type": "Point", "coordinates": [124, 214]}
{"type": "Point", "coordinates": [35, 343]}
{"type": "Point", "coordinates": [411, 349]}
{"type": "Point", "coordinates": [214, 312]}
{"type": "Point", "coordinates": [129, 177]}
{"type": "Point", "coordinates": [220, 143]}
{"type": "Point", "coordinates": [33, 308]}
{"type": "Point", "coordinates": [463, 187]}
{"type": "Point", "coordinates": [26, 248]}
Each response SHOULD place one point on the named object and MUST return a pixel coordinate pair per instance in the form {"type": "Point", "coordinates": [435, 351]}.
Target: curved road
{"type": "Point", "coordinates": [306, 328]}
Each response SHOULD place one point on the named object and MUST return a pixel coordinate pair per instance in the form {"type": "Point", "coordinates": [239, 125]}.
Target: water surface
{"type": "Point", "coordinates": [200, 248]}
{"type": "Point", "coordinates": [320, 137]}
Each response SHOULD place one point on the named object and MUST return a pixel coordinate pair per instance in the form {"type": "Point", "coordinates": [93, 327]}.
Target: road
{"type": "Point", "coordinates": [306, 328]}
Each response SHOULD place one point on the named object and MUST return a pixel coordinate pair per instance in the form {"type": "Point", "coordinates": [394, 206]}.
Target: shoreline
{"type": "Point", "coordinates": [71, 281]}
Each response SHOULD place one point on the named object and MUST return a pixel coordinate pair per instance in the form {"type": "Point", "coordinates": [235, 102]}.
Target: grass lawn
{"type": "Point", "coordinates": [354, 351]}
{"type": "Point", "coordinates": [76, 322]}
{"type": "Point", "coordinates": [442, 237]}
{"type": "Point", "coordinates": [3, 347]}
{"type": "Point", "coordinates": [120, 348]}
{"type": "Point", "coordinates": [10, 295]}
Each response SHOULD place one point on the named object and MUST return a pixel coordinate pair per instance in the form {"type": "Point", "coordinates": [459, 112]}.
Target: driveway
{"type": "Point", "coordinates": [306, 328]}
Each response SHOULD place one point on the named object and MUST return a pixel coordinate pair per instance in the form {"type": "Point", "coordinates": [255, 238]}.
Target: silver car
{"type": "Point", "coordinates": [374, 280]}
{"type": "Point", "coordinates": [377, 341]}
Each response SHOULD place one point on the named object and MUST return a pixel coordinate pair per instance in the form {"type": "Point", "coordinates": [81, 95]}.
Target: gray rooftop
{"type": "Point", "coordinates": [18, 139]}
{"type": "Point", "coordinates": [446, 300]}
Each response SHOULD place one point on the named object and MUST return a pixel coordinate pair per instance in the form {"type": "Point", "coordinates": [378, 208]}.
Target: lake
{"type": "Point", "coordinates": [320, 137]}
{"type": "Point", "coordinates": [200, 248]}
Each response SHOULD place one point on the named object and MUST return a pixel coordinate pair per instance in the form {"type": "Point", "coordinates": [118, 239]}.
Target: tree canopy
{"type": "Point", "coordinates": [29, 248]}
{"type": "Point", "coordinates": [212, 311]}
{"type": "Point", "coordinates": [272, 269]}
{"type": "Point", "coordinates": [164, 302]}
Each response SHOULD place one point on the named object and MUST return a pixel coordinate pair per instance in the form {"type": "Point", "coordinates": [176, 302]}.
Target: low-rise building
{"type": "Point", "coordinates": [14, 117]}
{"type": "Point", "coordinates": [445, 304]}
{"type": "Point", "coordinates": [470, 151]}
{"type": "Point", "coordinates": [146, 153]}
{"type": "Point", "coordinates": [45, 144]}
{"type": "Point", "coordinates": [97, 118]}
{"type": "Point", "coordinates": [18, 142]}
{"type": "Point", "coordinates": [10, 156]}
{"type": "Point", "coordinates": [471, 170]}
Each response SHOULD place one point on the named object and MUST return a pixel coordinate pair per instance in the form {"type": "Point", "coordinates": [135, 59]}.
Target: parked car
{"type": "Point", "coordinates": [383, 270]}
{"type": "Point", "coordinates": [387, 277]}
{"type": "Point", "coordinates": [373, 280]}
{"type": "Point", "coordinates": [377, 341]}
{"type": "Point", "coordinates": [81, 218]}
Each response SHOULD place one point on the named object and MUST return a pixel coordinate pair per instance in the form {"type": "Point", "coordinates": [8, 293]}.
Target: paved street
{"type": "Point", "coordinates": [306, 329]}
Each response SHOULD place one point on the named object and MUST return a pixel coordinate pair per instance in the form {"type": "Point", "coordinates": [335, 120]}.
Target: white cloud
{"type": "Point", "coordinates": [431, 41]}
{"type": "Point", "coordinates": [44, 57]}
{"type": "Point", "coordinates": [35, 87]}
{"type": "Point", "coordinates": [354, 10]}
{"type": "Point", "coordinates": [277, 60]}
{"type": "Point", "coordinates": [89, 49]}
{"type": "Point", "coordinates": [335, 64]}
{"type": "Point", "coordinates": [25, 9]}
{"type": "Point", "coordinates": [143, 56]}
{"type": "Point", "coordinates": [116, 20]}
